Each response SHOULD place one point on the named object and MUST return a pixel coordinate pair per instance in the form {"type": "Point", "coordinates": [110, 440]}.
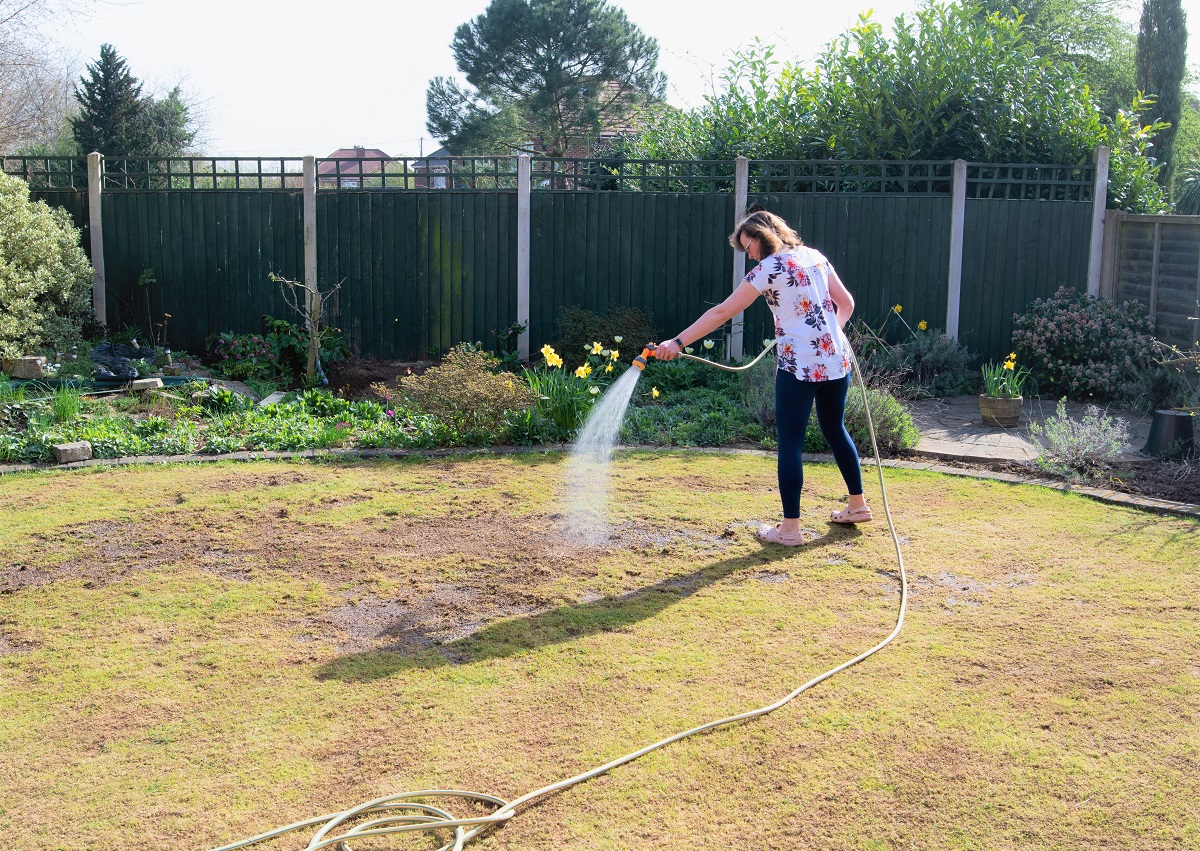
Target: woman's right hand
{"type": "Point", "coordinates": [667, 350]}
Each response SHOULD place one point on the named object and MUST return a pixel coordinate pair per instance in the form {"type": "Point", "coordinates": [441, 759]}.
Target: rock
{"type": "Point", "coordinates": [172, 369]}
{"type": "Point", "coordinates": [65, 453]}
{"type": "Point", "coordinates": [26, 367]}
{"type": "Point", "coordinates": [143, 384]}
{"type": "Point", "coordinates": [277, 396]}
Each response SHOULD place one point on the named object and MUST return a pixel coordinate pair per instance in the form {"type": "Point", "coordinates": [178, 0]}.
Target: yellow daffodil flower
{"type": "Point", "coordinates": [1010, 364]}
{"type": "Point", "coordinates": [897, 308]}
{"type": "Point", "coordinates": [1012, 356]}
{"type": "Point", "coordinates": [596, 348]}
{"type": "Point", "coordinates": [583, 371]}
{"type": "Point", "coordinates": [608, 368]}
{"type": "Point", "coordinates": [547, 351]}
{"type": "Point", "coordinates": [654, 392]}
{"type": "Point", "coordinates": [553, 360]}
{"type": "Point", "coordinates": [614, 354]}
{"type": "Point", "coordinates": [922, 325]}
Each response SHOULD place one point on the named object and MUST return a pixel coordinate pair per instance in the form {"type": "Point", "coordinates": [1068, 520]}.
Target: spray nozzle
{"type": "Point", "coordinates": [641, 360]}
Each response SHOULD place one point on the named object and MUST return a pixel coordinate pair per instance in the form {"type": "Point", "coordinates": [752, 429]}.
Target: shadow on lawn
{"type": "Point", "coordinates": [565, 623]}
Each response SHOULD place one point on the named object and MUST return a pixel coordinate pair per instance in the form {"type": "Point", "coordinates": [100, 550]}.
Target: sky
{"type": "Point", "coordinates": [294, 77]}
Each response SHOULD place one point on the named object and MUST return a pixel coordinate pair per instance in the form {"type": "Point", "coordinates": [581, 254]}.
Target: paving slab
{"type": "Point", "coordinates": [952, 429]}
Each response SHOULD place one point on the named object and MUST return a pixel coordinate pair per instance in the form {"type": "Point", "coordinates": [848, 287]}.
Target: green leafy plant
{"type": "Point", "coordinates": [289, 345]}
{"type": "Point", "coordinates": [1006, 380]}
{"type": "Point", "coordinates": [463, 392]}
{"type": "Point", "coordinates": [561, 399]}
{"type": "Point", "coordinates": [895, 430]}
{"type": "Point", "coordinates": [242, 356]}
{"type": "Point", "coordinates": [923, 364]}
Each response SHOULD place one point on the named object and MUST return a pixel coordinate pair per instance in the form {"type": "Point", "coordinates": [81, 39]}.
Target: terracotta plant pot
{"type": "Point", "coordinates": [1000, 412]}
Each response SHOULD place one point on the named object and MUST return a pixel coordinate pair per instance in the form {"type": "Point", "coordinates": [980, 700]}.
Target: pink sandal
{"type": "Point", "coordinates": [769, 534]}
{"type": "Point", "coordinates": [852, 515]}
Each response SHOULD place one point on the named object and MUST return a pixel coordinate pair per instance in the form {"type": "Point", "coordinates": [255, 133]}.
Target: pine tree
{"type": "Point", "coordinates": [112, 118]}
{"type": "Point", "coordinates": [1161, 65]}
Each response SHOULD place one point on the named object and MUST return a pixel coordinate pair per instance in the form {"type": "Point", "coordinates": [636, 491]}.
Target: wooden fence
{"type": "Point", "coordinates": [1156, 261]}
{"type": "Point", "coordinates": [436, 252]}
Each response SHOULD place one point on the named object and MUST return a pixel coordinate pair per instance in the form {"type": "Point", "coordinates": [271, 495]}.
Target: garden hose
{"type": "Point", "coordinates": [403, 813]}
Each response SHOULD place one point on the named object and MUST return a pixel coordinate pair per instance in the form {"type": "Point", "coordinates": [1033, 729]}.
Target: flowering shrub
{"type": "Point", "coordinates": [1082, 347]}
{"type": "Point", "coordinates": [242, 356]}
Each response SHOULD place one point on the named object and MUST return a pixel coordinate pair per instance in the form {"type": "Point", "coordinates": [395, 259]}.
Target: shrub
{"type": "Point", "coordinates": [895, 430]}
{"type": "Point", "coordinates": [242, 356]}
{"type": "Point", "coordinates": [464, 393]}
{"type": "Point", "coordinates": [288, 344]}
{"type": "Point", "coordinates": [929, 365]}
{"type": "Point", "coordinates": [579, 328]}
{"type": "Point", "coordinates": [1079, 449]}
{"type": "Point", "coordinates": [45, 278]}
{"type": "Point", "coordinates": [1082, 347]}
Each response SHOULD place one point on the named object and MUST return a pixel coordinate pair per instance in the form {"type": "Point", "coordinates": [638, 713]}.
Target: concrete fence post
{"type": "Point", "coordinates": [741, 194]}
{"type": "Point", "coordinates": [1100, 200]}
{"type": "Point", "coordinates": [310, 224]}
{"type": "Point", "coordinates": [95, 166]}
{"type": "Point", "coordinates": [958, 215]}
{"type": "Point", "coordinates": [524, 185]}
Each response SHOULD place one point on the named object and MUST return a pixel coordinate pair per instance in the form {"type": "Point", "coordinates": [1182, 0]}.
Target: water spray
{"type": "Point", "coordinates": [405, 813]}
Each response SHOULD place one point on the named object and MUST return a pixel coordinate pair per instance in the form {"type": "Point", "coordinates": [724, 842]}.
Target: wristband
{"type": "Point", "coordinates": [679, 343]}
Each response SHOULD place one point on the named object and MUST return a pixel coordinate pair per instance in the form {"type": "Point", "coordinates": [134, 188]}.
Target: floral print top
{"type": "Point", "coordinates": [795, 283]}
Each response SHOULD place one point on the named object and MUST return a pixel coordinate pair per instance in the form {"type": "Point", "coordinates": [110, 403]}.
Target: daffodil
{"type": "Point", "coordinates": [596, 348]}
{"type": "Point", "coordinates": [553, 360]}
{"type": "Point", "coordinates": [922, 325]}
{"type": "Point", "coordinates": [593, 390]}
{"type": "Point", "coordinates": [654, 392]}
{"type": "Point", "coordinates": [583, 371]}
{"type": "Point", "coordinates": [614, 354]}
{"type": "Point", "coordinates": [547, 351]}
{"type": "Point", "coordinates": [708, 344]}
{"type": "Point", "coordinates": [608, 368]}
{"type": "Point", "coordinates": [617, 339]}
{"type": "Point", "coordinates": [1010, 364]}
{"type": "Point", "coordinates": [1012, 356]}
{"type": "Point", "coordinates": [896, 308]}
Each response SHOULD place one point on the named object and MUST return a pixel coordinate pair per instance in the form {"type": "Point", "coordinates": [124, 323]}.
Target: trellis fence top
{"type": "Point", "coordinates": [1061, 182]}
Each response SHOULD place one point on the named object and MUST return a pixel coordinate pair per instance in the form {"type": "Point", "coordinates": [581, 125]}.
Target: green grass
{"type": "Point", "coordinates": [186, 671]}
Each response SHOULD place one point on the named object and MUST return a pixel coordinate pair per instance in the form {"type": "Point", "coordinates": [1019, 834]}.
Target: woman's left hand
{"type": "Point", "coordinates": [667, 350]}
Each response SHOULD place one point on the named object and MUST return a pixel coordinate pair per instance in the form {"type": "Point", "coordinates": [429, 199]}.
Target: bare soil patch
{"type": "Point", "coordinates": [353, 377]}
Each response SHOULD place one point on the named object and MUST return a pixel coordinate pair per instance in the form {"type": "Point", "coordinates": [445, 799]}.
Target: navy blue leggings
{"type": "Point", "coordinates": [793, 403]}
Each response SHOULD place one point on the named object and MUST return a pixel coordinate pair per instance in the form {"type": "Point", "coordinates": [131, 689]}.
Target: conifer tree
{"type": "Point", "coordinates": [112, 117]}
{"type": "Point", "coordinates": [1161, 65]}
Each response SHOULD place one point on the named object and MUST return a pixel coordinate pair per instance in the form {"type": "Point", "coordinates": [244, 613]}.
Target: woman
{"type": "Point", "coordinates": [811, 306]}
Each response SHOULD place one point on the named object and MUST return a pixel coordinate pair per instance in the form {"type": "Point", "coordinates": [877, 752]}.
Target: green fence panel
{"type": "Point", "coordinates": [1013, 253]}
{"type": "Point", "coordinates": [664, 253]}
{"type": "Point", "coordinates": [207, 256]}
{"type": "Point", "coordinates": [888, 250]}
{"type": "Point", "coordinates": [420, 271]}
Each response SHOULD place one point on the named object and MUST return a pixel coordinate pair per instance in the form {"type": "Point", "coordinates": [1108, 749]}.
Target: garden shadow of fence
{"type": "Point", "coordinates": [513, 636]}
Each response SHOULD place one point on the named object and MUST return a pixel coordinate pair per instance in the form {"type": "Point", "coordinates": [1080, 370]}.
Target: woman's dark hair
{"type": "Point", "coordinates": [769, 229]}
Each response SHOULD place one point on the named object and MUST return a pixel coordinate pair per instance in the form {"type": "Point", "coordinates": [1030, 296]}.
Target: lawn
{"type": "Point", "coordinates": [190, 655]}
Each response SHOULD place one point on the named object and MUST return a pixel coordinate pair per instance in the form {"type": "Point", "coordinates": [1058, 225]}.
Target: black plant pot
{"type": "Point", "coordinates": [1172, 435]}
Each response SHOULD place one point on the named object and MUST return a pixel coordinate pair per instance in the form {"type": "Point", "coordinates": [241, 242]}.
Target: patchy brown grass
{"type": "Point", "coordinates": [190, 655]}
